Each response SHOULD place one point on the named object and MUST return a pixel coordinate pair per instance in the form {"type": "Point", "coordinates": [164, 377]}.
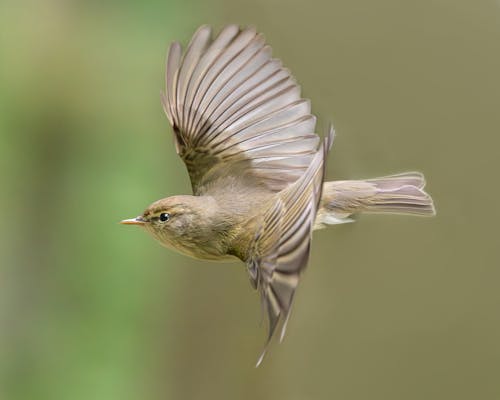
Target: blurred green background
{"type": "Point", "coordinates": [390, 307]}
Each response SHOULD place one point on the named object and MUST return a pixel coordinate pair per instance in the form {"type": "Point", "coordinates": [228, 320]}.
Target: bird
{"type": "Point", "coordinates": [257, 168]}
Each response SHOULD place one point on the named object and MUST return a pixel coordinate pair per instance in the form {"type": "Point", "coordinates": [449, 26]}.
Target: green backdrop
{"type": "Point", "coordinates": [390, 307]}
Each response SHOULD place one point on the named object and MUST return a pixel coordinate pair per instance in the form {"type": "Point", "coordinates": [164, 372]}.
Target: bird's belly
{"type": "Point", "coordinates": [199, 253]}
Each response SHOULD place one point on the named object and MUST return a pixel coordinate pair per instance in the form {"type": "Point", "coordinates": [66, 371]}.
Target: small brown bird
{"type": "Point", "coordinates": [257, 167]}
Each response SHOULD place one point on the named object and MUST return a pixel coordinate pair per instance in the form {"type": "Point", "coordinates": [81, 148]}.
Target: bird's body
{"type": "Point", "coordinates": [221, 225]}
{"type": "Point", "coordinates": [217, 227]}
{"type": "Point", "coordinates": [257, 167]}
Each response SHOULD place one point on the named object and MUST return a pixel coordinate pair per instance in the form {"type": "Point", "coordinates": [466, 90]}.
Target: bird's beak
{"type": "Point", "coordinates": [133, 221]}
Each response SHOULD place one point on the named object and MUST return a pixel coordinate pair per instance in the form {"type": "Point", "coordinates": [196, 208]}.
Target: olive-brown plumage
{"type": "Point", "coordinates": [256, 167]}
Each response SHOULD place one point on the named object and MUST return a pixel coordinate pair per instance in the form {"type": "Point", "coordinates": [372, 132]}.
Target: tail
{"type": "Point", "coordinates": [397, 194]}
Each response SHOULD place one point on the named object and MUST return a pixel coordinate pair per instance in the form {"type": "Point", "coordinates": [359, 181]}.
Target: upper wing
{"type": "Point", "coordinates": [283, 242]}
{"type": "Point", "coordinates": [237, 112]}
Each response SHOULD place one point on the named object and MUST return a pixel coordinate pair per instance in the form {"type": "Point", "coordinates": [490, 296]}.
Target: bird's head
{"type": "Point", "coordinates": [178, 222]}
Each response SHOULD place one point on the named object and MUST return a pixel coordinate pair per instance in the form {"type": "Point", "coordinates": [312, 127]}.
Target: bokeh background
{"type": "Point", "coordinates": [390, 307]}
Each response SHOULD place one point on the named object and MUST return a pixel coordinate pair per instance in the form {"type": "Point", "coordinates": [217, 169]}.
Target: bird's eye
{"type": "Point", "coordinates": [164, 217]}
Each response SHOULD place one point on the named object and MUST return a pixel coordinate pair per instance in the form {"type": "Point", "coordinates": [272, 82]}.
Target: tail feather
{"type": "Point", "coordinates": [399, 194]}
{"type": "Point", "coordinates": [399, 197]}
{"type": "Point", "coordinates": [395, 181]}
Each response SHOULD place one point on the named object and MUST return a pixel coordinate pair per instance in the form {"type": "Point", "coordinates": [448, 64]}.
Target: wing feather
{"type": "Point", "coordinates": [173, 62]}
{"type": "Point", "coordinates": [194, 51]}
{"type": "Point", "coordinates": [245, 140]}
{"type": "Point", "coordinates": [236, 110]}
{"type": "Point", "coordinates": [204, 66]}
{"type": "Point", "coordinates": [230, 76]}
{"type": "Point", "coordinates": [257, 83]}
{"type": "Point", "coordinates": [215, 73]}
{"type": "Point", "coordinates": [284, 240]}
{"type": "Point", "coordinates": [243, 80]}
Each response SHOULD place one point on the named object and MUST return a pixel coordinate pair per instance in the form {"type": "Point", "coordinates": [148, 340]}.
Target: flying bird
{"type": "Point", "coordinates": [257, 168]}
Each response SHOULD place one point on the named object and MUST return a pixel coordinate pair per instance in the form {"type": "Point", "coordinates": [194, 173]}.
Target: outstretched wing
{"type": "Point", "coordinates": [237, 112]}
{"type": "Point", "coordinates": [283, 242]}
